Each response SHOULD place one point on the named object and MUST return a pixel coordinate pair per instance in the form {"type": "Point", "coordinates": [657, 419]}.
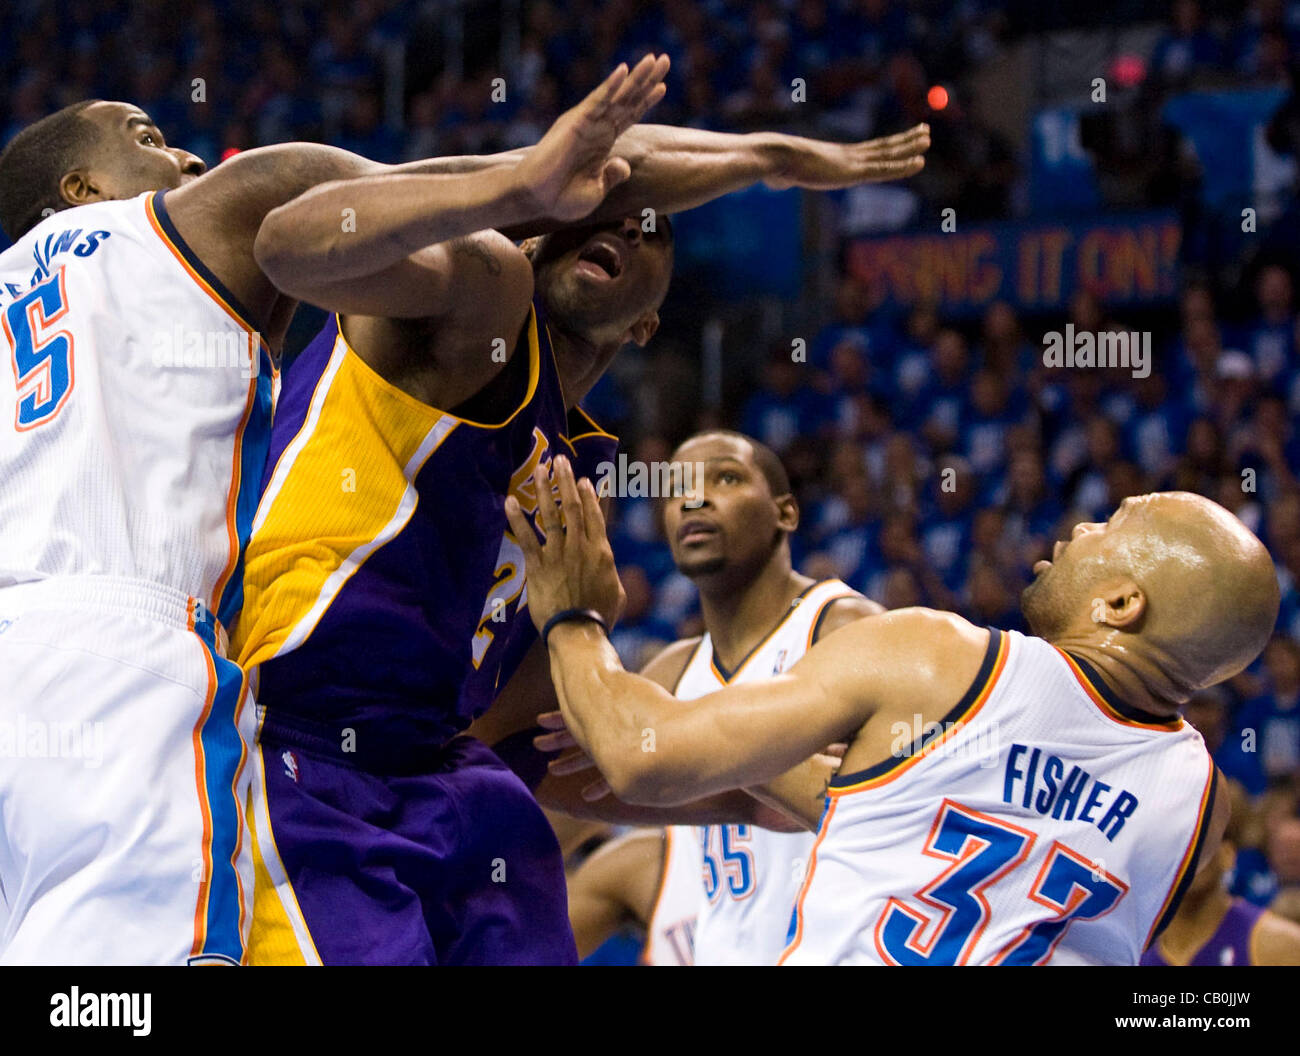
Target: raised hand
{"type": "Point", "coordinates": [573, 566]}
{"type": "Point", "coordinates": [570, 170]}
{"type": "Point", "coordinates": [819, 166]}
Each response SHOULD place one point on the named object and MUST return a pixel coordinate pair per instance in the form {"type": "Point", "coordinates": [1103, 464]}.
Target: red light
{"type": "Point", "coordinates": [229, 153]}
{"type": "Point", "coordinates": [1128, 70]}
{"type": "Point", "coordinates": [937, 97]}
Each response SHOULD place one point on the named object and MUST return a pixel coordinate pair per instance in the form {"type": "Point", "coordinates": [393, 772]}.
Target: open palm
{"type": "Point", "coordinates": [570, 170]}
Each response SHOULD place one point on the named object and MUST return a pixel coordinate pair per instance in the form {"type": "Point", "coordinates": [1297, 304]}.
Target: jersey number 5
{"type": "Point", "coordinates": [41, 357]}
{"type": "Point", "coordinates": [982, 850]}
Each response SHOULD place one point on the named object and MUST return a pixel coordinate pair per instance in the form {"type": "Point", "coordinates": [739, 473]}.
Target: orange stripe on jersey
{"type": "Point", "coordinates": [232, 496]}
{"type": "Point", "coordinates": [724, 679]}
{"type": "Point", "coordinates": [659, 897]}
{"type": "Point", "coordinates": [817, 616]}
{"type": "Point", "coordinates": [1190, 855]}
{"type": "Point", "coordinates": [205, 808]}
{"type": "Point", "coordinates": [199, 280]}
{"type": "Point", "coordinates": [954, 724]}
{"type": "Point", "coordinates": [1105, 707]}
{"type": "Point", "coordinates": [807, 883]}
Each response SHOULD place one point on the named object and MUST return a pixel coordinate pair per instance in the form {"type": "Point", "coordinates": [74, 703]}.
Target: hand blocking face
{"type": "Point", "coordinates": [572, 565]}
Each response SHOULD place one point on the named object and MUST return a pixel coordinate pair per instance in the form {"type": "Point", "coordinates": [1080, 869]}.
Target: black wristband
{"type": "Point", "coordinates": [565, 615]}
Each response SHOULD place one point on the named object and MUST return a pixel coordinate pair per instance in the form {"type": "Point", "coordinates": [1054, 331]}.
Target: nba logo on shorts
{"type": "Point", "coordinates": [5, 625]}
{"type": "Point", "coordinates": [290, 765]}
{"type": "Point", "coordinates": [779, 665]}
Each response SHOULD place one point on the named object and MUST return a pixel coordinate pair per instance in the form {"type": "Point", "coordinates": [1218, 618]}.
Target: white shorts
{"type": "Point", "coordinates": [124, 736]}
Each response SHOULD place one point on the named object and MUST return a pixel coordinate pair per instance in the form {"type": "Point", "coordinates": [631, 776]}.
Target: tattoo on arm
{"type": "Point", "coordinates": [469, 247]}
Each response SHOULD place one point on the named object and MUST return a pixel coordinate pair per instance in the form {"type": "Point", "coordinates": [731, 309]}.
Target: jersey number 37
{"type": "Point", "coordinates": [981, 850]}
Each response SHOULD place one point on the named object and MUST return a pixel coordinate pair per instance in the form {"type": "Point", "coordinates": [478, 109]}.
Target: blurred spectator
{"type": "Point", "coordinates": [1269, 339]}
{"type": "Point", "coordinates": [1187, 47]}
{"type": "Point", "coordinates": [1265, 743]}
{"type": "Point", "coordinates": [785, 406]}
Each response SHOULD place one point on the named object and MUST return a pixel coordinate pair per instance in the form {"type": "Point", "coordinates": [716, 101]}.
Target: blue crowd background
{"type": "Point", "coordinates": [934, 455]}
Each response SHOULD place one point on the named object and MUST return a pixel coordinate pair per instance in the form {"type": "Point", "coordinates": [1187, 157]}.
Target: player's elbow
{"type": "Point", "coordinates": [275, 250]}
{"type": "Point", "coordinates": [638, 778]}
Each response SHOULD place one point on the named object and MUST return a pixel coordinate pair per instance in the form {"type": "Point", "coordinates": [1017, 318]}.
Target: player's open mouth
{"type": "Point", "coordinates": [695, 531]}
{"type": "Point", "coordinates": [601, 261]}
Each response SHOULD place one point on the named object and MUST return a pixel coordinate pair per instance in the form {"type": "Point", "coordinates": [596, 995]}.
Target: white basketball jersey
{"type": "Point", "coordinates": [135, 410]}
{"type": "Point", "coordinates": [750, 875]}
{"type": "Point", "coordinates": [670, 935]}
{"type": "Point", "coordinates": [1044, 822]}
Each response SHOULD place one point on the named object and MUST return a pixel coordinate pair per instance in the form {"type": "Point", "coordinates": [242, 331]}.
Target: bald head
{"type": "Point", "coordinates": [1173, 582]}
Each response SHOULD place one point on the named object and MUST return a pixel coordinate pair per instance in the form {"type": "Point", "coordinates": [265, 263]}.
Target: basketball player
{"type": "Point", "coordinates": [1213, 927]}
{"type": "Point", "coordinates": [378, 621]}
{"type": "Point", "coordinates": [138, 326]}
{"type": "Point", "coordinates": [730, 533]}
{"type": "Point", "coordinates": [647, 877]}
{"type": "Point", "coordinates": [1052, 804]}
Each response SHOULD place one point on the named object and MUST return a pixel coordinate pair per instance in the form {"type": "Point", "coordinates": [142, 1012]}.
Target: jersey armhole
{"type": "Point", "coordinates": [1191, 860]}
{"type": "Point", "coordinates": [990, 670]}
{"type": "Point", "coordinates": [816, 632]}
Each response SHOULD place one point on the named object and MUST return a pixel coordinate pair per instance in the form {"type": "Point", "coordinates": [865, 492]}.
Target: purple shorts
{"type": "Point", "coordinates": [455, 865]}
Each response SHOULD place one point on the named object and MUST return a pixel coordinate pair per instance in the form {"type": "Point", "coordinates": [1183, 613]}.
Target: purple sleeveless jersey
{"type": "Point", "coordinates": [421, 846]}
{"type": "Point", "coordinates": [1228, 946]}
{"type": "Point", "coordinates": [403, 656]}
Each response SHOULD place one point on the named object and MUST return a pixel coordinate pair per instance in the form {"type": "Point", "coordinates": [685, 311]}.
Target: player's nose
{"type": "Point", "coordinates": [695, 499]}
{"type": "Point", "coordinates": [630, 230]}
{"type": "Point", "coordinates": [191, 164]}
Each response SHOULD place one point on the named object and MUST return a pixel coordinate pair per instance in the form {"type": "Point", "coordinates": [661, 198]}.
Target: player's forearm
{"type": "Point", "coordinates": [347, 229]}
{"type": "Point", "coordinates": [456, 165]}
{"type": "Point", "coordinates": [564, 794]}
{"type": "Point", "coordinates": [651, 750]}
{"type": "Point", "coordinates": [612, 714]}
{"type": "Point", "coordinates": [680, 168]}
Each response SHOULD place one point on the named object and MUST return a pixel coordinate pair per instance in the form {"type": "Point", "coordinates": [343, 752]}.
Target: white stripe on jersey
{"type": "Point", "coordinates": [1044, 825]}
{"type": "Point", "coordinates": [752, 875]}
{"type": "Point", "coordinates": [670, 935]}
{"type": "Point", "coordinates": [133, 410]}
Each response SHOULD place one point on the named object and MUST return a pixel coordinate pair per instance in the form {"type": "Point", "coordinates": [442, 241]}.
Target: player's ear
{"type": "Point", "coordinates": [640, 332]}
{"type": "Point", "coordinates": [1121, 606]}
{"type": "Point", "coordinates": [76, 189]}
{"type": "Point", "coordinates": [787, 513]}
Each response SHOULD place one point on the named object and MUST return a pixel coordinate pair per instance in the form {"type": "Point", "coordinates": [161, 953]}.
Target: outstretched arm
{"type": "Point", "coordinates": [574, 785]}
{"type": "Point", "coordinates": [653, 748]}
{"type": "Point", "coordinates": [219, 214]}
{"type": "Point", "coordinates": [673, 169]}
{"type": "Point", "coordinates": [399, 225]}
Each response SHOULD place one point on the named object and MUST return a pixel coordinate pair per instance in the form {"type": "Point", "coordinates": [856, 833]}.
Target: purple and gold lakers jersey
{"type": "Point", "coordinates": [1229, 946]}
{"type": "Point", "coordinates": [384, 599]}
